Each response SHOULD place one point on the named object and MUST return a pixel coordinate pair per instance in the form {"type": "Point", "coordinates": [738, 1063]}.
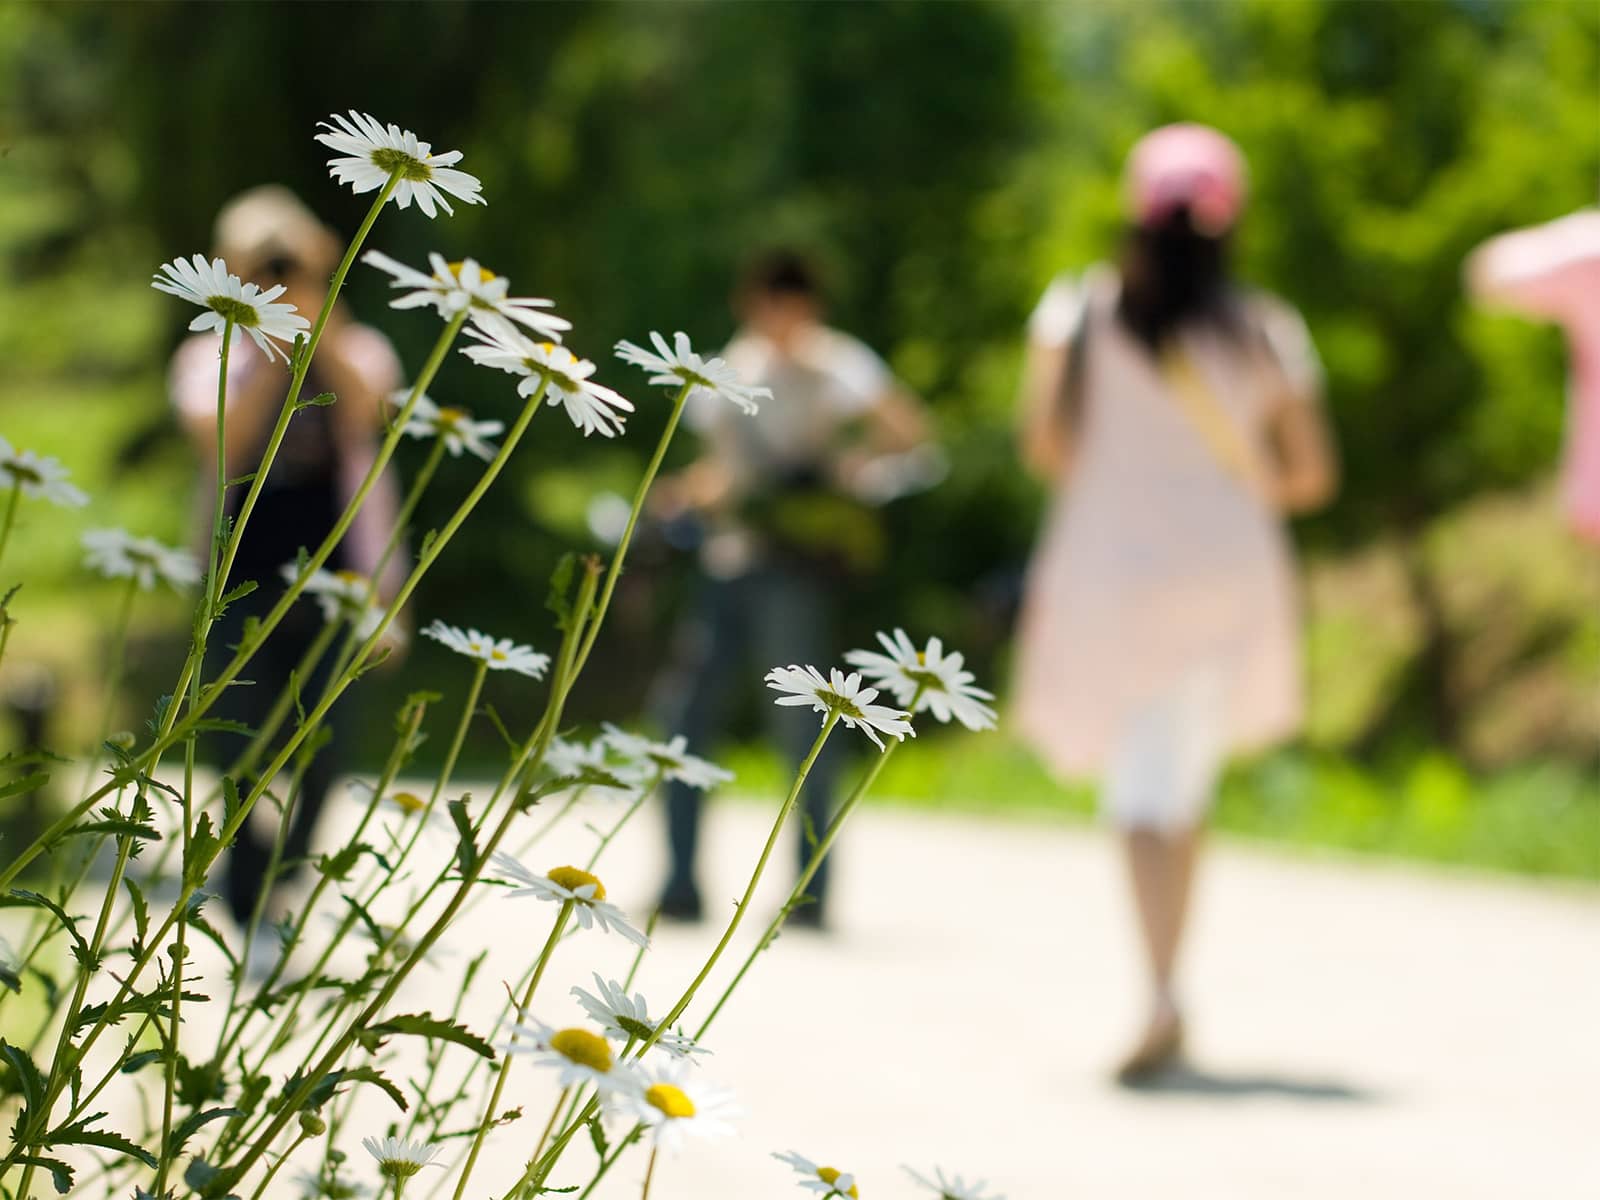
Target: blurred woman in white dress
{"type": "Point", "coordinates": [1176, 417]}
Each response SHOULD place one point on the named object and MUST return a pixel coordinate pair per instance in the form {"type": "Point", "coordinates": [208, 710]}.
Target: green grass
{"type": "Point", "coordinates": [1532, 820]}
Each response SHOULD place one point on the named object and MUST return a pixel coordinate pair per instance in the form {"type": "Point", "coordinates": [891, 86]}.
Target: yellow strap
{"type": "Point", "coordinates": [1233, 452]}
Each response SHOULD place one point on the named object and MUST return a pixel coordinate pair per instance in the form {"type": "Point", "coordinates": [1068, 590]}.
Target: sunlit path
{"type": "Point", "coordinates": [1371, 1030]}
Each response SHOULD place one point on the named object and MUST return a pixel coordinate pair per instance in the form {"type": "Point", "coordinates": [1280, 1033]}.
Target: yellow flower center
{"type": "Point", "coordinates": [484, 275]}
{"type": "Point", "coordinates": [408, 801]}
{"type": "Point", "coordinates": [670, 1100]}
{"type": "Point", "coordinates": [498, 656]}
{"type": "Point", "coordinates": [831, 1175]}
{"type": "Point", "coordinates": [450, 417]}
{"type": "Point", "coordinates": [350, 577]}
{"type": "Point", "coordinates": [573, 878]}
{"type": "Point", "coordinates": [584, 1048]}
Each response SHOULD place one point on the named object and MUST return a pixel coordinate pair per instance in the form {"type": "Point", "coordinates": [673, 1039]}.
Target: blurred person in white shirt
{"type": "Point", "coordinates": [785, 508]}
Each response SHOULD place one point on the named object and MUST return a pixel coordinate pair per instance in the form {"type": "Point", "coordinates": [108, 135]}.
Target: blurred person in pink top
{"type": "Point", "coordinates": [268, 236]}
{"type": "Point", "coordinates": [1176, 417]}
{"type": "Point", "coordinates": [1553, 271]}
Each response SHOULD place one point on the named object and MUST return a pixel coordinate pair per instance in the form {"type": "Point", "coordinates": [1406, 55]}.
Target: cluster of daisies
{"type": "Point", "coordinates": [663, 1097]}
{"type": "Point", "coordinates": [518, 335]}
{"type": "Point", "coordinates": [922, 680]}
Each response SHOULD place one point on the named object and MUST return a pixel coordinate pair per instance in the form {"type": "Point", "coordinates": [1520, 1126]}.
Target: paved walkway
{"type": "Point", "coordinates": [1359, 1030]}
{"type": "Point", "coordinates": [1371, 1031]}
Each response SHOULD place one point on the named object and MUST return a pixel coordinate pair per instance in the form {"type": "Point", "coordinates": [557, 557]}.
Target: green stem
{"type": "Point", "coordinates": [532, 755]}
{"type": "Point", "coordinates": [610, 1160]}
{"type": "Point", "coordinates": [487, 1120]}
{"type": "Point", "coordinates": [119, 643]}
{"type": "Point", "coordinates": [474, 690]}
{"type": "Point", "coordinates": [398, 756]}
{"type": "Point", "coordinates": [798, 894]}
{"type": "Point", "coordinates": [167, 736]}
{"type": "Point", "coordinates": [202, 632]}
{"type": "Point", "coordinates": [261, 1189]}
{"type": "Point", "coordinates": [301, 367]}
{"type": "Point", "coordinates": [542, 1169]}
{"type": "Point", "coordinates": [649, 1173]}
{"type": "Point", "coordinates": [230, 828]}
{"type": "Point", "coordinates": [409, 506]}
{"type": "Point", "coordinates": [640, 494]}
{"type": "Point", "coordinates": [11, 515]}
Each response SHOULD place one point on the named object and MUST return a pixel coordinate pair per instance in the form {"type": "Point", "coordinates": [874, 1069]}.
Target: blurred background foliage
{"type": "Point", "coordinates": [943, 161]}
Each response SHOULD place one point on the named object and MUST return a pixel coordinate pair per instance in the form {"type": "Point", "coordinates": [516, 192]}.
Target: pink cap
{"type": "Point", "coordinates": [1186, 164]}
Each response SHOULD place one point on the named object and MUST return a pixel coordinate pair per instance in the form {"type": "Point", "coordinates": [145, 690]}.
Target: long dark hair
{"type": "Point", "coordinates": [1172, 276]}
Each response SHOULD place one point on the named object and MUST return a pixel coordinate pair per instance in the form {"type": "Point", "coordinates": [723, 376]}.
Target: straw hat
{"type": "Point", "coordinates": [270, 222]}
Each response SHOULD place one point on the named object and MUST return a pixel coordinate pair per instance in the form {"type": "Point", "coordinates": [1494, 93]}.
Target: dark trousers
{"type": "Point", "coordinates": [269, 672]}
{"type": "Point", "coordinates": [737, 630]}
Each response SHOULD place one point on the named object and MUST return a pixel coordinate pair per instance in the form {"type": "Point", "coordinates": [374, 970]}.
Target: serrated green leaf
{"type": "Point", "coordinates": [191, 1124]}
{"type": "Point", "coordinates": [337, 867]}
{"type": "Point", "coordinates": [120, 826]}
{"type": "Point", "coordinates": [27, 783]}
{"type": "Point", "coordinates": [597, 1135]}
{"type": "Point", "coordinates": [204, 846]}
{"type": "Point", "coordinates": [137, 1062]}
{"type": "Point", "coordinates": [60, 1173]}
{"type": "Point", "coordinates": [320, 400]}
{"type": "Point", "coordinates": [559, 599]}
{"type": "Point", "coordinates": [141, 910]}
{"type": "Point", "coordinates": [428, 1026]}
{"type": "Point", "coordinates": [29, 1082]}
{"type": "Point", "coordinates": [328, 1086]}
{"type": "Point", "coordinates": [230, 799]}
{"type": "Point", "coordinates": [80, 948]}
{"type": "Point", "coordinates": [78, 1133]}
{"type": "Point", "coordinates": [466, 845]}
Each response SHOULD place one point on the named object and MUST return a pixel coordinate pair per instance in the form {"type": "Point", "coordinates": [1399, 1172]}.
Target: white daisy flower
{"type": "Point", "coordinates": [399, 1159]}
{"type": "Point", "coordinates": [579, 1056]}
{"type": "Point", "coordinates": [626, 1018]}
{"type": "Point", "coordinates": [946, 689]}
{"type": "Point", "coordinates": [673, 1103]}
{"type": "Point", "coordinates": [342, 596]}
{"type": "Point", "coordinates": [464, 286]}
{"type": "Point", "coordinates": [118, 554]}
{"type": "Point", "coordinates": [253, 311]}
{"type": "Point", "coordinates": [455, 425]}
{"type": "Point", "coordinates": [500, 654]}
{"type": "Point", "coordinates": [561, 884]}
{"type": "Point", "coordinates": [678, 364]}
{"type": "Point", "coordinates": [592, 408]}
{"type": "Point", "coordinates": [825, 1181]}
{"type": "Point", "coordinates": [38, 477]}
{"type": "Point", "coordinates": [571, 759]}
{"type": "Point", "coordinates": [841, 694]}
{"type": "Point", "coordinates": [671, 759]}
{"type": "Point", "coordinates": [373, 152]}
{"type": "Point", "coordinates": [953, 1187]}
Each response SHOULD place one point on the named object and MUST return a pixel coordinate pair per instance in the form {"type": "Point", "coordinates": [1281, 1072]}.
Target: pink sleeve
{"type": "Point", "coordinates": [1550, 271]}
{"type": "Point", "coordinates": [192, 379]}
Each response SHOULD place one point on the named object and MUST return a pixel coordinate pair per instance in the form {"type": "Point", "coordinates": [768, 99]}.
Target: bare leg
{"type": "Point", "coordinates": [1161, 867]}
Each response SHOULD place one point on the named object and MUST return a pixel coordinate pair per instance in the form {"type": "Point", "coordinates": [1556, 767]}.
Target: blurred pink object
{"type": "Point", "coordinates": [1187, 164]}
{"type": "Point", "coordinates": [1553, 271]}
